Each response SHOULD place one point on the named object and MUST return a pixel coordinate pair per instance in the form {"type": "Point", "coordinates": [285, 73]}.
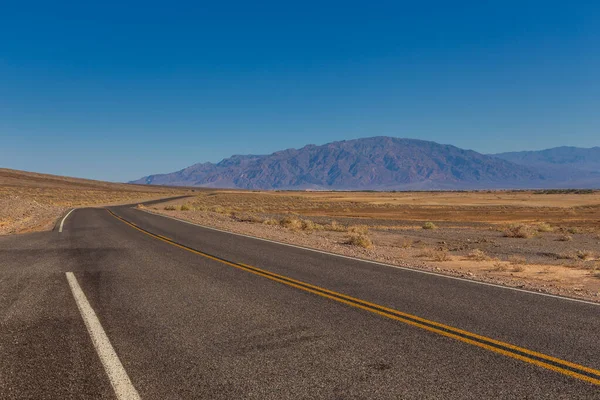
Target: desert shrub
{"type": "Point", "coordinates": [429, 225]}
{"type": "Point", "coordinates": [478, 255]}
{"type": "Point", "coordinates": [292, 223]}
{"type": "Point", "coordinates": [359, 229]}
{"type": "Point", "coordinates": [185, 207]}
{"type": "Point", "coordinates": [223, 210]}
{"type": "Point", "coordinates": [170, 208]}
{"type": "Point", "coordinates": [565, 238]}
{"type": "Point", "coordinates": [574, 230]}
{"type": "Point", "coordinates": [360, 240]}
{"type": "Point", "coordinates": [271, 221]}
{"type": "Point", "coordinates": [308, 225]}
{"type": "Point", "coordinates": [544, 227]}
{"type": "Point", "coordinates": [519, 231]}
{"type": "Point", "coordinates": [518, 268]}
{"type": "Point", "coordinates": [499, 266]}
{"type": "Point", "coordinates": [334, 226]}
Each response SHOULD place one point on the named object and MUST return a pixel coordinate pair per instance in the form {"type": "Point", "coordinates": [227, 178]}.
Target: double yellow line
{"type": "Point", "coordinates": [542, 360]}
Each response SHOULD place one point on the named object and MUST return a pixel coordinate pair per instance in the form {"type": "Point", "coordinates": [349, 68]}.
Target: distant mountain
{"type": "Point", "coordinates": [574, 166]}
{"type": "Point", "coordinates": [570, 157]}
{"type": "Point", "coordinates": [377, 163]}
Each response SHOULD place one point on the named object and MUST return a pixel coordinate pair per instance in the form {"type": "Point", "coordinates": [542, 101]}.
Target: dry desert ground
{"type": "Point", "coordinates": [548, 241]}
{"type": "Point", "coordinates": [33, 202]}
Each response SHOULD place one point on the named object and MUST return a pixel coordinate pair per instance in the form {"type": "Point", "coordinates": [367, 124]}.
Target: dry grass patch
{"type": "Point", "coordinates": [429, 225]}
{"type": "Point", "coordinates": [170, 208]}
{"type": "Point", "coordinates": [544, 227]}
{"type": "Point", "coordinates": [499, 267]}
{"type": "Point", "coordinates": [522, 231]}
{"type": "Point", "coordinates": [360, 240]}
{"type": "Point", "coordinates": [292, 223]}
{"type": "Point", "coordinates": [334, 226]}
{"type": "Point", "coordinates": [359, 229]}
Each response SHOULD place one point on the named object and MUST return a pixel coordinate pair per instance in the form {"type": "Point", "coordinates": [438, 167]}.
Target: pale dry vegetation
{"type": "Point", "coordinates": [522, 231]}
{"type": "Point", "coordinates": [360, 240]}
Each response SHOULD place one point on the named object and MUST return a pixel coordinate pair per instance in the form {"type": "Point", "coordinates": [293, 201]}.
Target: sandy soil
{"type": "Point", "coordinates": [33, 202]}
{"type": "Point", "coordinates": [559, 254]}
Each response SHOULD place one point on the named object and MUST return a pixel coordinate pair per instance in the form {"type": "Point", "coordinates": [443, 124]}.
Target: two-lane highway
{"type": "Point", "coordinates": [190, 312]}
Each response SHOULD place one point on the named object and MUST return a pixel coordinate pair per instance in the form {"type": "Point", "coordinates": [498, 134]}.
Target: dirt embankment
{"type": "Point", "coordinates": [33, 202]}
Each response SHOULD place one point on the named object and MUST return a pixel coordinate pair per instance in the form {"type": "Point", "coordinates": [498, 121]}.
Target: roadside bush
{"type": "Point", "coordinates": [292, 223]}
{"type": "Point", "coordinates": [519, 231]}
{"type": "Point", "coordinates": [499, 266]}
{"type": "Point", "coordinates": [170, 208]}
{"type": "Point", "coordinates": [359, 229]}
{"type": "Point", "coordinates": [271, 221]}
{"type": "Point", "coordinates": [544, 227]}
{"type": "Point", "coordinates": [185, 207]}
{"type": "Point", "coordinates": [429, 225]}
{"type": "Point", "coordinates": [360, 240]}
{"type": "Point", "coordinates": [334, 226]}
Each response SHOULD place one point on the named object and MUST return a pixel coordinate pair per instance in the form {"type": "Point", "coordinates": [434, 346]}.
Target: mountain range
{"type": "Point", "coordinates": [389, 163]}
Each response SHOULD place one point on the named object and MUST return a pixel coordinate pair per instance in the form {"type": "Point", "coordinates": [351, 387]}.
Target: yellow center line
{"type": "Point", "coordinates": [532, 357]}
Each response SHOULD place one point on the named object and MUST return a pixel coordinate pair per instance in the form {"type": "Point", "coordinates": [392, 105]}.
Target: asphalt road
{"type": "Point", "coordinates": [192, 313]}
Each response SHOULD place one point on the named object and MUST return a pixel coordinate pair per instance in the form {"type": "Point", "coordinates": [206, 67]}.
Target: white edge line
{"type": "Point", "coordinates": [119, 379]}
{"type": "Point", "coordinates": [376, 262]}
{"type": "Point", "coordinates": [63, 221]}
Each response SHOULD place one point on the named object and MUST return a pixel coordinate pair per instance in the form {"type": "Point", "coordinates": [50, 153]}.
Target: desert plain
{"type": "Point", "coordinates": [546, 241]}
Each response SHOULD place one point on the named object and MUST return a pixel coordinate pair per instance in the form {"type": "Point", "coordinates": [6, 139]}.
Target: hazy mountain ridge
{"type": "Point", "coordinates": [571, 157]}
{"type": "Point", "coordinates": [577, 166]}
{"type": "Point", "coordinates": [377, 163]}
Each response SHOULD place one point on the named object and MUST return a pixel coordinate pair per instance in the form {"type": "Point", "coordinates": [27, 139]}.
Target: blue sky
{"type": "Point", "coordinates": [118, 90]}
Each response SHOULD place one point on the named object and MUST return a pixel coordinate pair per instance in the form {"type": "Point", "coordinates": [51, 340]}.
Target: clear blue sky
{"type": "Point", "coordinates": [115, 91]}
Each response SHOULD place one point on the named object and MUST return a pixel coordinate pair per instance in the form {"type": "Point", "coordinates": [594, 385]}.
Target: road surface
{"type": "Point", "coordinates": [126, 304]}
